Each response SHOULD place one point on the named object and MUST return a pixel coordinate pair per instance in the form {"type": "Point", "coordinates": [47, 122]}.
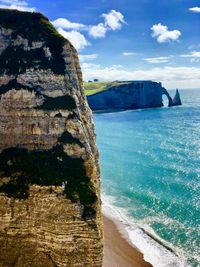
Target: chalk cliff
{"type": "Point", "coordinates": [130, 95]}
{"type": "Point", "coordinates": [49, 172]}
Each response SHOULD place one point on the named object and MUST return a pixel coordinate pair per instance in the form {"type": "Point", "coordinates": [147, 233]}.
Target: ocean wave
{"type": "Point", "coordinates": [155, 250]}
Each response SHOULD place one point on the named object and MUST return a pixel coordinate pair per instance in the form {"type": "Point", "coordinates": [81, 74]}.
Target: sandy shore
{"type": "Point", "coordinates": [117, 251]}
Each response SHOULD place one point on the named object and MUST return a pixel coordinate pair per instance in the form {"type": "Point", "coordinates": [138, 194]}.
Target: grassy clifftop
{"type": "Point", "coordinates": [92, 88]}
{"type": "Point", "coordinates": [96, 87]}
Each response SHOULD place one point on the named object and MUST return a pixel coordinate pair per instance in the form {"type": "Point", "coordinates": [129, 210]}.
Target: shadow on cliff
{"type": "Point", "coordinates": [20, 168]}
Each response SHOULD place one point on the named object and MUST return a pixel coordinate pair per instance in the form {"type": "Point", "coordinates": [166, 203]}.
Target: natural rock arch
{"type": "Point", "coordinates": [176, 101]}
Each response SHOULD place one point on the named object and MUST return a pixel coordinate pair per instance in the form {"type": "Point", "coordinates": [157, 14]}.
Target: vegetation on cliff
{"type": "Point", "coordinates": [22, 22]}
{"type": "Point", "coordinates": [92, 88]}
{"type": "Point", "coordinates": [15, 59]}
{"type": "Point", "coordinates": [95, 87]}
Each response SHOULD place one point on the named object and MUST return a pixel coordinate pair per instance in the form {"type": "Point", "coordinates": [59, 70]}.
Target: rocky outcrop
{"type": "Point", "coordinates": [130, 95]}
{"type": "Point", "coordinates": [49, 172]}
{"type": "Point", "coordinates": [177, 99]}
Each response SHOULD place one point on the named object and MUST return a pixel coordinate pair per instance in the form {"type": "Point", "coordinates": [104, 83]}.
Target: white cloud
{"type": "Point", "coordinates": [76, 38]}
{"type": "Point", "coordinates": [20, 8]}
{"type": "Point", "coordinates": [16, 4]}
{"type": "Point", "coordinates": [194, 56]}
{"type": "Point", "coordinates": [157, 60]}
{"type": "Point", "coordinates": [127, 54]}
{"type": "Point", "coordinates": [84, 58]}
{"type": "Point", "coordinates": [195, 9]}
{"type": "Point", "coordinates": [66, 24]}
{"type": "Point", "coordinates": [171, 77]}
{"type": "Point", "coordinates": [162, 34]}
{"type": "Point", "coordinates": [113, 20]}
{"type": "Point", "coordinates": [98, 31]}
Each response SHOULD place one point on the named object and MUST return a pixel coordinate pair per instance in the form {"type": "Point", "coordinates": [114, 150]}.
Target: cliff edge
{"type": "Point", "coordinates": [49, 172]}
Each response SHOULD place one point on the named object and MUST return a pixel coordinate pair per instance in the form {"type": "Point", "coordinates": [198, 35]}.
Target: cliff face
{"type": "Point", "coordinates": [49, 172]}
{"type": "Point", "coordinates": [130, 95]}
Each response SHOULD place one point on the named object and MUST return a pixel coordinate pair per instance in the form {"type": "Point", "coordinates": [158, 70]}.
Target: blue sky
{"type": "Point", "coordinates": [129, 39]}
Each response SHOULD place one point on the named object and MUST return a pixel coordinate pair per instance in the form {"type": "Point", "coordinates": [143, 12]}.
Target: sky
{"type": "Point", "coordinates": [155, 40]}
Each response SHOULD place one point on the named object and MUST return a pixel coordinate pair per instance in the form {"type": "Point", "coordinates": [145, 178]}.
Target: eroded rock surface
{"type": "Point", "coordinates": [49, 171]}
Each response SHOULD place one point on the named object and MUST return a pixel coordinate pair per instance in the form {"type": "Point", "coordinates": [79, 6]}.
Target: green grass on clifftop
{"type": "Point", "coordinates": [92, 88]}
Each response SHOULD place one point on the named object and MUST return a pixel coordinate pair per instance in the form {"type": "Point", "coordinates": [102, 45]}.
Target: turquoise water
{"type": "Point", "coordinates": [150, 166]}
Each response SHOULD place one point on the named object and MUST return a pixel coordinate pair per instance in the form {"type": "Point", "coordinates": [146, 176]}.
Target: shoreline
{"type": "Point", "coordinates": [118, 251]}
{"type": "Point", "coordinates": [129, 245]}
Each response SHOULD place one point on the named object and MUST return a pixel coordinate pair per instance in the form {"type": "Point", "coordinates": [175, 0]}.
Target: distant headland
{"type": "Point", "coordinates": [123, 95]}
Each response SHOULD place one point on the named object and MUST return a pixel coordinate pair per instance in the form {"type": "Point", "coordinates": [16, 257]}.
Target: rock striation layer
{"type": "Point", "coordinates": [49, 172]}
{"type": "Point", "coordinates": [130, 95]}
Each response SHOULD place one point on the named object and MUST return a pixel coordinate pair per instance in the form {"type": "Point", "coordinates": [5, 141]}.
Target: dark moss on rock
{"type": "Point", "coordinates": [41, 30]}
{"type": "Point", "coordinates": [15, 60]}
{"type": "Point", "coordinates": [22, 22]}
{"type": "Point", "coordinates": [46, 168]}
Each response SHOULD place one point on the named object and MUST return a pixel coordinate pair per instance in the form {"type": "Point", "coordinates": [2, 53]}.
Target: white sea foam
{"type": "Point", "coordinates": [154, 252]}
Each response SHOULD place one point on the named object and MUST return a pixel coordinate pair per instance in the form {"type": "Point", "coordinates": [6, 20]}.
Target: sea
{"type": "Point", "coordinates": [150, 178]}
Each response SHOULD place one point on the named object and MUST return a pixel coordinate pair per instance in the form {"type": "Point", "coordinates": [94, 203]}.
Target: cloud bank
{"type": "Point", "coordinates": [171, 77]}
